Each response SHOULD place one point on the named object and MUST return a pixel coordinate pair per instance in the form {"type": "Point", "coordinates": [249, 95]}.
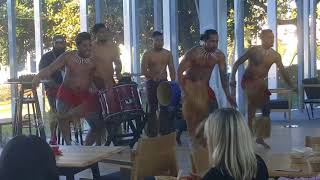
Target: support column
{"type": "Point", "coordinates": [313, 38]}
{"type": "Point", "coordinates": [157, 18]}
{"type": "Point", "coordinates": [208, 20]}
{"type": "Point", "coordinates": [222, 16]}
{"type": "Point", "coordinates": [11, 5]}
{"type": "Point", "coordinates": [222, 9]}
{"type": "Point", "coordinates": [135, 38]}
{"type": "Point", "coordinates": [272, 23]}
{"type": "Point", "coordinates": [127, 34]}
{"type": "Point", "coordinates": [239, 49]}
{"type": "Point", "coordinates": [300, 47]}
{"type": "Point", "coordinates": [37, 4]}
{"type": "Point", "coordinates": [99, 7]}
{"type": "Point", "coordinates": [306, 33]}
{"type": "Point", "coordinates": [84, 15]}
{"type": "Point", "coordinates": [170, 28]}
{"type": "Point", "coordinates": [208, 15]}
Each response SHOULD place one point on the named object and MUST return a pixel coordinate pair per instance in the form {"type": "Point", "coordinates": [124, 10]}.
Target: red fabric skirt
{"type": "Point", "coordinates": [75, 98]}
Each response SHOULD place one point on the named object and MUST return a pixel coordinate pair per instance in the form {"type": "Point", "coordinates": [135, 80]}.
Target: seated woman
{"type": "Point", "coordinates": [231, 149]}
{"type": "Point", "coordinates": [27, 158]}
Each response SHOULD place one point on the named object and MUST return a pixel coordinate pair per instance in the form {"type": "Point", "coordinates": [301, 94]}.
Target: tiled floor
{"type": "Point", "coordinates": [282, 140]}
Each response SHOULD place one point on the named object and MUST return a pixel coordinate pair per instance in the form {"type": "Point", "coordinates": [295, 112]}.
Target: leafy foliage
{"type": "Point", "coordinates": [62, 17]}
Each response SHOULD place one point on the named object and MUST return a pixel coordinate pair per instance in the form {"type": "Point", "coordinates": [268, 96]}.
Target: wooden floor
{"type": "Point", "coordinates": [282, 140]}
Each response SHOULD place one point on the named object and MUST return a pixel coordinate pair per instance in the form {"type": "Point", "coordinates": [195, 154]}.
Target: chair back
{"type": "Point", "coordinates": [312, 92]}
{"type": "Point", "coordinates": [155, 157]}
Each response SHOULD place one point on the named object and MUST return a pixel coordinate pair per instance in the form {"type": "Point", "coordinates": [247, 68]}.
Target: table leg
{"type": "Point", "coordinates": [95, 171]}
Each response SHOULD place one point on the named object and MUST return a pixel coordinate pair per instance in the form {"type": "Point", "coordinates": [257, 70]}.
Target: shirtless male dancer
{"type": "Point", "coordinates": [105, 53]}
{"type": "Point", "coordinates": [197, 64]}
{"type": "Point", "coordinates": [74, 99]}
{"type": "Point", "coordinates": [154, 67]}
{"type": "Point", "coordinates": [254, 80]}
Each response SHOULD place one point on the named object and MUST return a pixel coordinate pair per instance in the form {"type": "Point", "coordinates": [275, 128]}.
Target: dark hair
{"type": "Point", "coordinates": [58, 38]}
{"type": "Point", "coordinates": [27, 158]}
{"type": "Point", "coordinates": [83, 36]}
{"type": "Point", "coordinates": [207, 33]}
{"type": "Point", "coordinates": [156, 33]}
{"type": "Point", "coordinates": [97, 27]}
{"type": "Point", "coordinates": [264, 32]}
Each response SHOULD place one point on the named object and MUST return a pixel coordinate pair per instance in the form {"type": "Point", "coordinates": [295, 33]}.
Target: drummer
{"type": "Point", "coordinates": [154, 67]}
{"type": "Point", "coordinates": [105, 54]}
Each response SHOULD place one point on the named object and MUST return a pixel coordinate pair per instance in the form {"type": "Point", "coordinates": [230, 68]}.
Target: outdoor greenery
{"type": "Point", "coordinates": [62, 17]}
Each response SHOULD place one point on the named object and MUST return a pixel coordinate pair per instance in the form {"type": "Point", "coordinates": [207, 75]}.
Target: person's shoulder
{"type": "Point", "coordinates": [275, 53]}
{"type": "Point", "coordinates": [194, 50]}
{"type": "Point", "coordinates": [68, 54]}
{"type": "Point", "coordinates": [220, 54]}
{"type": "Point", "coordinates": [166, 51]}
{"type": "Point", "coordinates": [259, 158]}
{"type": "Point", "coordinates": [262, 168]}
{"type": "Point", "coordinates": [147, 53]}
{"type": "Point", "coordinates": [112, 45]}
{"type": "Point", "coordinates": [47, 55]}
{"type": "Point", "coordinates": [214, 173]}
{"type": "Point", "coordinates": [254, 48]}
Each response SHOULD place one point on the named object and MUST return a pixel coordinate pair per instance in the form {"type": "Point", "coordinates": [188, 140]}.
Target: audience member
{"type": "Point", "coordinates": [231, 149]}
{"type": "Point", "coordinates": [27, 158]}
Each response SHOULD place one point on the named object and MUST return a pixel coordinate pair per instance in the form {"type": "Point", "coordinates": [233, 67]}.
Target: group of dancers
{"type": "Point", "coordinates": [91, 68]}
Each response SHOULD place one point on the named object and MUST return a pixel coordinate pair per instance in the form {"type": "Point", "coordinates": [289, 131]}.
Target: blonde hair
{"type": "Point", "coordinates": [230, 144]}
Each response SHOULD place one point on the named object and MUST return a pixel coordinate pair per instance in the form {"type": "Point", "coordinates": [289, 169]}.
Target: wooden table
{"type": "Point", "coordinates": [279, 165]}
{"type": "Point", "coordinates": [122, 158]}
{"type": "Point", "coordinates": [75, 159]}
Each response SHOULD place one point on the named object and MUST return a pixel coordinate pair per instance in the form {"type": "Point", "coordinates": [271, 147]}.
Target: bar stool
{"type": "Point", "coordinates": [28, 96]}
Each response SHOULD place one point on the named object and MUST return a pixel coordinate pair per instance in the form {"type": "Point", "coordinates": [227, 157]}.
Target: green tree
{"type": "Point", "coordinates": [61, 17]}
{"type": "Point", "coordinates": [3, 34]}
{"type": "Point", "coordinates": [58, 17]}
